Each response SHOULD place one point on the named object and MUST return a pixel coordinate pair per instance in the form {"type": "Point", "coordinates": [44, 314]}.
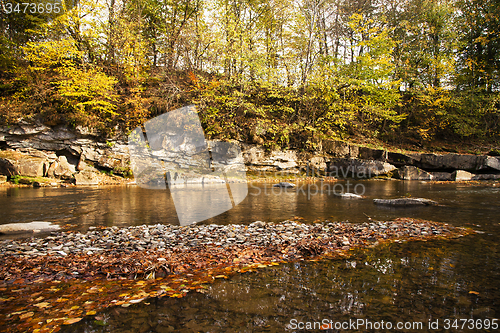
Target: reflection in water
{"type": "Point", "coordinates": [411, 282]}
{"type": "Point", "coordinates": [131, 205]}
{"type": "Point", "coordinates": [417, 281]}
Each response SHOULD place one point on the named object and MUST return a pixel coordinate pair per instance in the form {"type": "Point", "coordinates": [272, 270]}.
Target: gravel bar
{"type": "Point", "coordinates": [167, 249]}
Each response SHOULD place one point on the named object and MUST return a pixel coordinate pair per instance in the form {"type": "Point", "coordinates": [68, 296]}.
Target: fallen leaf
{"type": "Point", "coordinates": [26, 315]}
{"type": "Point", "coordinates": [42, 305]}
{"type": "Point", "coordinates": [71, 321]}
{"type": "Point", "coordinates": [473, 292]}
{"type": "Point", "coordinates": [136, 300]}
{"type": "Point", "coordinates": [166, 288]}
{"type": "Point", "coordinates": [90, 313]}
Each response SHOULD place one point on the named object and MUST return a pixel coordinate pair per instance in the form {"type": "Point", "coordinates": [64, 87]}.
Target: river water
{"type": "Point", "coordinates": [435, 286]}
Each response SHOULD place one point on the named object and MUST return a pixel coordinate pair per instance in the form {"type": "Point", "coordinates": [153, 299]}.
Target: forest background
{"type": "Point", "coordinates": [280, 73]}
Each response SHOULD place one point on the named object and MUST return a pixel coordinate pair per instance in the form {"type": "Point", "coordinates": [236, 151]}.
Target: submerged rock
{"type": "Point", "coordinates": [349, 196]}
{"type": "Point", "coordinates": [284, 185]}
{"type": "Point", "coordinates": [405, 202]}
{"type": "Point", "coordinates": [36, 226]}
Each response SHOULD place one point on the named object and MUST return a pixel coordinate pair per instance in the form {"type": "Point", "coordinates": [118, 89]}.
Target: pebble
{"type": "Point", "coordinates": [159, 237]}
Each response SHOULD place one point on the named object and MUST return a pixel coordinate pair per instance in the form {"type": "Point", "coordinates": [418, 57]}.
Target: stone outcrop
{"type": "Point", "coordinates": [14, 163]}
{"type": "Point", "coordinates": [409, 172]}
{"type": "Point", "coordinates": [358, 168]}
{"type": "Point", "coordinates": [49, 143]}
{"type": "Point", "coordinates": [87, 177]}
{"type": "Point", "coordinates": [32, 149]}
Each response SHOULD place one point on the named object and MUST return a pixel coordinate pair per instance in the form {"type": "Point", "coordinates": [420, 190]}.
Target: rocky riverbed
{"type": "Point", "coordinates": [161, 243]}
{"type": "Point", "coordinates": [59, 279]}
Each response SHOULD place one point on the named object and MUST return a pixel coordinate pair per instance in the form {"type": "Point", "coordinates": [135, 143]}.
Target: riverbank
{"type": "Point", "coordinates": [80, 156]}
{"type": "Point", "coordinates": [63, 277]}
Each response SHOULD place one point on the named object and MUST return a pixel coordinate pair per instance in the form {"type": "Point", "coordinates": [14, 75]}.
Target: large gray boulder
{"type": "Point", "coordinates": [492, 162]}
{"type": "Point", "coordinates": [358, 168]}
{"type": "Point", "coordinates": [61, 169]}
{"type": "Point", "coordinates": [412, 173]}
{"type": "Point", "coordinates": [87, 177]}
{"type": "Point", "coordinates": [461, 175]}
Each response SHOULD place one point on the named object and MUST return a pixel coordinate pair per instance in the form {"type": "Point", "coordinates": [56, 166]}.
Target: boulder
{"type": "Point", "coordinates": [61, 169]}
{"type": "Point", "coordinates": [461, 175]}
{"type": "Point", "coordinates": [357, 168]}
{"type": "Point", "coordinates": [399, 159]}
{"type": "Point", "coordinates": [87, 177]}
{"type": "Point", "coordinates": [372, 154]}
{"type": "Point", "coordinates": [36, 226]}
{"type": "Point", "coordinates": [412, 173]}
{"type": "Point", "coordinates": [340, 149]}
{"type": "Point", "coordinates": [448, 161]}
{"type": "Point", "coordinates": [405, 202]}
{"type": "Point", "coordinates": [15, 163]}
{"type": "Point", "coordinates": [441, 176]}
{"type": "Point", "coordinates": [486, 176]}
{"type": "Point", "coordinates": [492, 162]}
{"type": "Point", "coordinates": [257, 158]}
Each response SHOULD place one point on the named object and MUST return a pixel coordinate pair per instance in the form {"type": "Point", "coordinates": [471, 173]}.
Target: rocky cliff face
{"type": "Point", "coordinates": [78, 154]}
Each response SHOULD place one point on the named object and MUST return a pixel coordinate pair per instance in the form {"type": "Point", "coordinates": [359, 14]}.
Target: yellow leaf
{"type": "Point", "coordinates": [221, 277]}
{"type": "Point", "coordinates": [42, 305]}
{"type": "Point", "coordinates": [26, 315]}
{"type": "Point", "coordinates": [75, 307]}
{"type": "Point", "coordinates": [60, 300]}
{"type": "Point", "coordinates": [71, 321]}
{"type": "Point", "coordinates": [90, 313]}
{"type": "Point", "coordinates": [167, 288]}
{"type": "Point", "coordinates": [473, 292]}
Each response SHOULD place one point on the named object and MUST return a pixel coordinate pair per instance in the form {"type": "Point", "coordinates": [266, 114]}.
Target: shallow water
{"type": "Point", "coordinates": [412, 283]}
{"type": "Point", "coordinates": [131, 205]}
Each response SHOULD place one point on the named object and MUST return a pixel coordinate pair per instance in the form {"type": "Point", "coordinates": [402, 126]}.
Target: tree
{"type": "Point", "coordinates": [479, 61]}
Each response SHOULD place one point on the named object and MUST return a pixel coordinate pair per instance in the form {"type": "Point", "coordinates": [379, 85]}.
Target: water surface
{"type": "Point", "coordinates": [414, 282]}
